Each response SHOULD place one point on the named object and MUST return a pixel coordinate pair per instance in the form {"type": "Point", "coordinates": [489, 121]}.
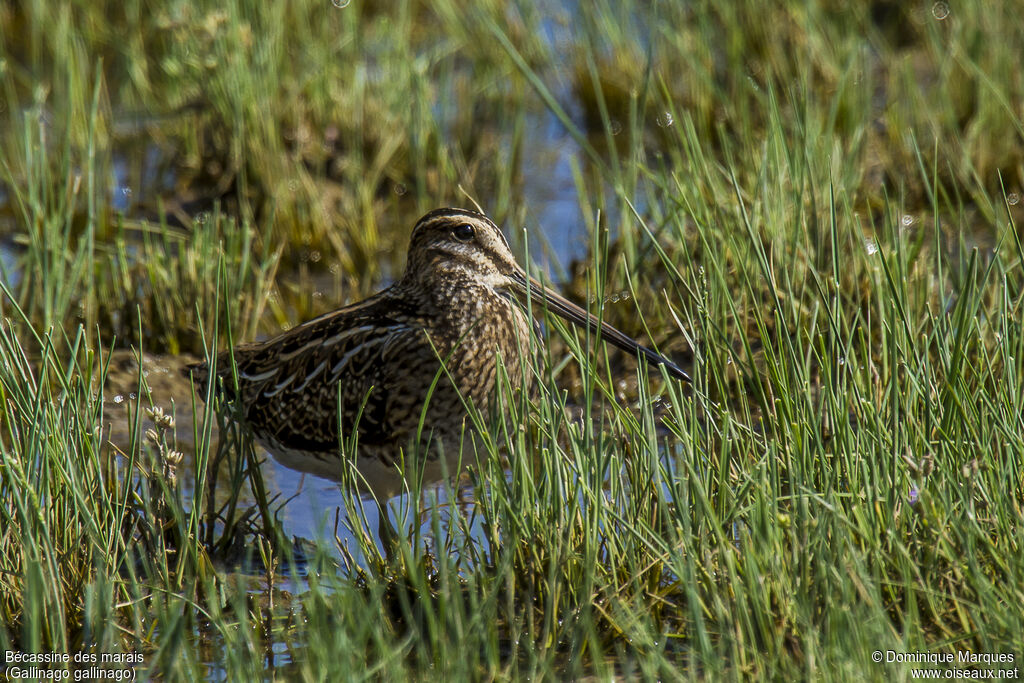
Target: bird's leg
{"type": "Point", "coordinates": [386, 531]}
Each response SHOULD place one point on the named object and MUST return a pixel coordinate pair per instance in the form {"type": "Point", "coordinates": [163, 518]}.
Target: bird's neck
{"type": "Point", "coordinates": [451, 290]}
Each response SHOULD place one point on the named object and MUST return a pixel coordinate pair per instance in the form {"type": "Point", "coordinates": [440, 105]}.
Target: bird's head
{"type": "Point", "coordinates": [453, 247]}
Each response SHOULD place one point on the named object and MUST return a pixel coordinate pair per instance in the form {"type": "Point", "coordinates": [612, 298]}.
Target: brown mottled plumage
{"type": "Point", "coordinates": [379, 359]}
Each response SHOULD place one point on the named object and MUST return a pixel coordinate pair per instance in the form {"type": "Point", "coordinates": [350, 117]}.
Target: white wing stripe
{"type": "Point", "coordinates": [284, 357]}
{"type": "Point", "coordinates": [330, 341]}
{"type": "Point", "coordinates": [260, 377]}
{"type": "Point", "coordinates": [310, 377]}
{"type": "Point", "coordinates": [281, 385]}
{"type": "Point", "coordinates": [345, 334]}
{"type": "Point", "coordinates": [393, 335]}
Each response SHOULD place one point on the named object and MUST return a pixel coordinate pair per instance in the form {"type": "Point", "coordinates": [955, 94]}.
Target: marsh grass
{"type": "Point", "coordinates": [817, 205]}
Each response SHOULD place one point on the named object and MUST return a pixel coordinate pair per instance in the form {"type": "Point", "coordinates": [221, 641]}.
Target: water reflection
{"type": "Point", "coordinates": [9, 270]}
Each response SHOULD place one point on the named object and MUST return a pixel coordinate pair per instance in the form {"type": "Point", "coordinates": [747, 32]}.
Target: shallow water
{"type": "Point", "coordinates": [9, 269]}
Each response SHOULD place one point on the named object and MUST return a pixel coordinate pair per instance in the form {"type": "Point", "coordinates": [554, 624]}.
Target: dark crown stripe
{"type": "Point", "coordinates": [448, 215]}
{"type": "Point", "coordinates": [441, 217]}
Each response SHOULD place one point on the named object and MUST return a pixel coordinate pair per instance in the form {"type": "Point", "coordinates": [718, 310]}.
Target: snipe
{"type": "Point", "coordinates": [372, 365]}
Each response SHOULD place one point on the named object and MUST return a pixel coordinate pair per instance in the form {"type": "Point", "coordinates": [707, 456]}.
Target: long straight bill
{"type": "Point", "coordinates": [576, 315]}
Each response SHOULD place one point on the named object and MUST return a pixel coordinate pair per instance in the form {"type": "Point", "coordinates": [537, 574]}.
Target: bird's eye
{"type": "Point", "coordinates": [463, 232]}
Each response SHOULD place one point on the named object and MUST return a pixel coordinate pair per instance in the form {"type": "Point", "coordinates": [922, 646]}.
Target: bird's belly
{"type": "Point", "coordinates": [383, 469]}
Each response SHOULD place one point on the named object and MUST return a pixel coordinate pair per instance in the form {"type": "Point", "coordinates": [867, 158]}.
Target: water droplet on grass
{"type": "Point", "coordinates": [940, 10]}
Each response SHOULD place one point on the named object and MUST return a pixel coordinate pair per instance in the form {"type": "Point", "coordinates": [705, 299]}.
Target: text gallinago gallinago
{"type": "Point", "coordinates": [374, 363]}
